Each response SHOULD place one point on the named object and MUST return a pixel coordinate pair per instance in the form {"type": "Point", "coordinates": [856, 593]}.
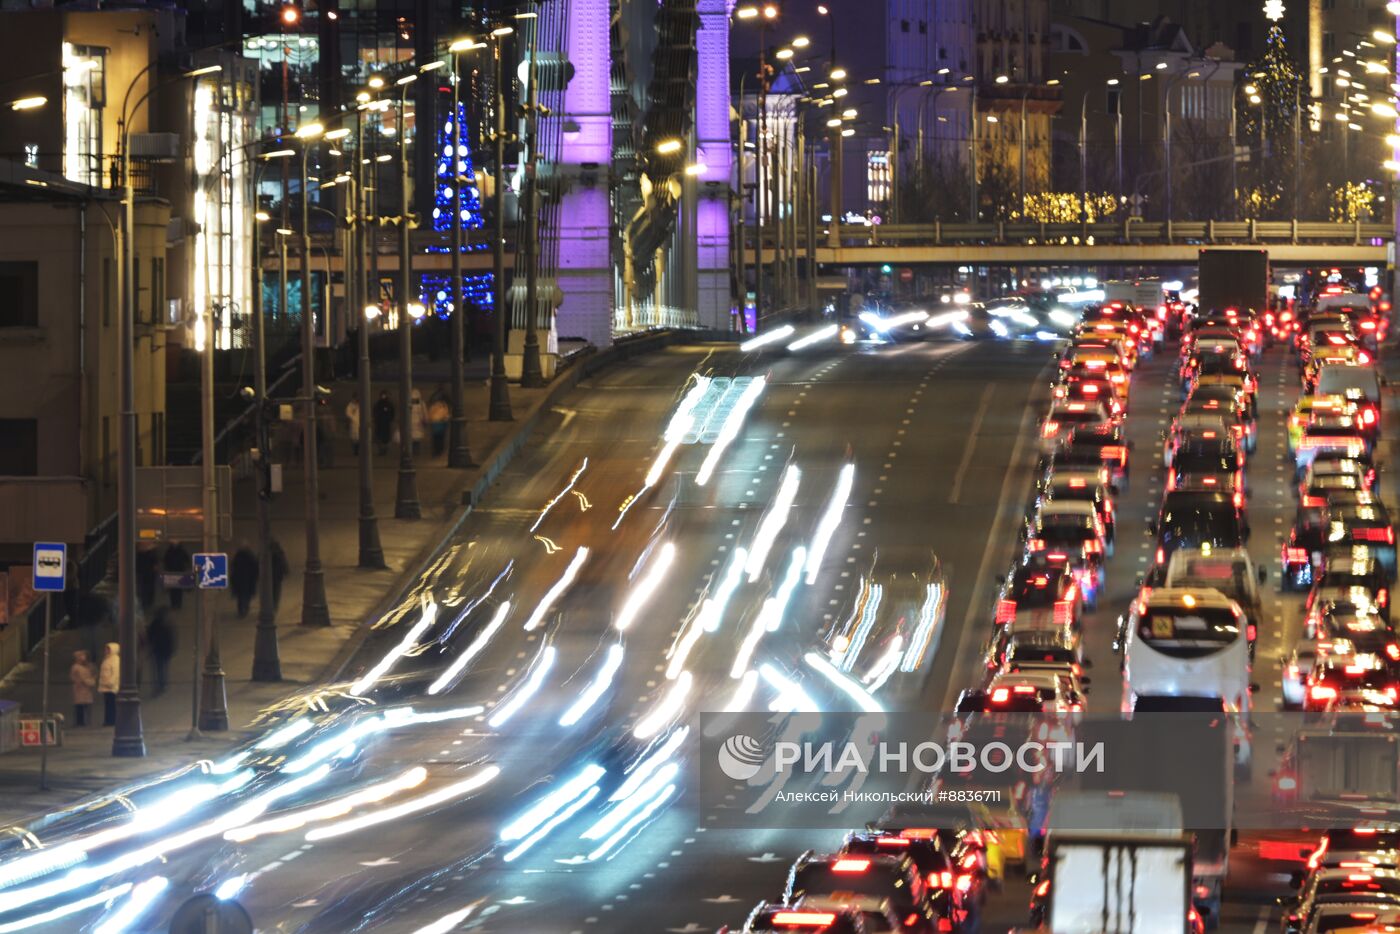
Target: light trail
{"type": "Point", "coordinates": [449, 922]}
{"type": "Point", "coordinates": [629, 805]}
{"type": "Point", "coordinates": [773, 521]}
{"type": "Point", "coordinates": [790, 695]}
{"type": "Point", "coordinates": [552, 803]}
{"type": "Point", "coordinates": [730, 429]}
{"type": "Point", "coordinates": [816, 337]}
{"type": "Point", "coordinates": [459, 664]}
{"type": "Point", "coordinates": [636, 821]}
{"type": "Point", "coordinates": [413, 806]}
{"type": "Point", "coordinates": [662, 755]}
{"type": "Point", "coordinates": [560, 495]}
{"type": "Point", "coordinates": [105, 897]}
{"type": "Point", "coordinates": [511, 707]}
{"type": "Point", "coordinates": [667, 710]}
{"type": "Point", "coordinates": [569, 811]}
{"type": "Point", "coordinates": [135, 906]}
{"type": "Point", "coordinates": [645, 588]}
{"type": "Point", "coordinates": [473, 604]}
{"type": "Point", "coordinates": [596, 688]}
{"type": "Point", "coordinates": [848, 687]}
{"type": "Point", "coordinates": [296, 820]}
{"type": "Point", "coordinates": [565, 581]}
{"type": "Point", "coordinates": [425, 621]}
{"type": "Point", "coordinates": [830, 520]}
{"type": "Point", "coordinates": [930, 612]}
{"type": "Point", "coordinates": [768, 337]}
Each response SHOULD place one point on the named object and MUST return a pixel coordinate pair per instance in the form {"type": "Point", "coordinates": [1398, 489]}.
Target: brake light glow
{"type": "Point", "coordinates": [1386, 535]}
{"type": "Point", "coordinates": [1006, 612]}
{"type": "Point", "coordinates": [1161, 556]}
{"type": "Point", "coordinates": [1076, 484]}
{"type": "Point", "coordinates": [892, 841]}
{"type": "Point", "coordinates": [1050, 428]}
{"type": "Point", "coordinates": [1322, 692]}
{"type": "Point", "coordinates": [1313, 502]}
{"type": "Point", "coordinates": [912, 920]}
{"type": "Point", "coordinates": [1368, 416]}
{"type": "Point", "coordinates": [815, 919]}
{"type": "Point", "coordinates": [1295, 555]}
{"type": "Point", "coordinates": [964, 882]}
{"type": "Point", "coordinates": [1093, 547]}
{"type": "Point", "coordinates": [1043, 889]}
{"type": "Point", "coordinates": [1064, 613]}
{"type": "Point", "coordinates": [850, 865]}
{"type": "Point", "coordinates": [1000, 696]}
{"type": "Point", "coordinates": [1239, 500]}
{"type": "Point", "coordinates": [1113, 452]}
{"type": "Point", "coordinates": [941, 880]}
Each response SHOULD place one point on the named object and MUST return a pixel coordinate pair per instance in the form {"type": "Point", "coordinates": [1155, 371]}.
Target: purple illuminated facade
{"type": "Point", "coordinates": [714, 150]}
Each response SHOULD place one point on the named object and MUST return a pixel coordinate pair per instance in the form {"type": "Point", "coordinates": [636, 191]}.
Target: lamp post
{"type": "Point", "coordinates": [531, 373]}
{"type": "Point", "coordinates": [762, 13]}
{"type": "Point", "coordinates": [458, 452]}
{"type": "Point", "coordinates": [371, 552]}
{"type": "Point", "coordinates": [406, 504]}
{"type": "Point", "coordinates": [314, 611]}
{"type": "Point", "coordinates": [127, 738]}
{"type": "Point", "coordinates": [500, 389]}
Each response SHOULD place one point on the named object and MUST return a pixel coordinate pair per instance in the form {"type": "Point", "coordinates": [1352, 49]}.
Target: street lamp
{"type": "Point", "coordinates": [500, 388]}
{"type": "Point", "coordinates": [531, 373]}
{"type": "Point", "coordinates": [458, 452]}
{"type": "Point", "coordinates": [406, 505]}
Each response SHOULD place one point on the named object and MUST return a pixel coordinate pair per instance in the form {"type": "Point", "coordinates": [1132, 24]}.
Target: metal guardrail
{"type": "Point", "coordinates": [1130, 231]}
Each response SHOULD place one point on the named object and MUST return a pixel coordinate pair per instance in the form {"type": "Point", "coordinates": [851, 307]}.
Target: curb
{"type": "Point", "coordinates": [583, 365]}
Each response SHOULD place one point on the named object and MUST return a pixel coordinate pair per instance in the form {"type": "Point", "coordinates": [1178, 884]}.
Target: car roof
{"type": "Point", "coordinates": [1207, 597]}
{"type": "Point", "coordinates": [1067, 507]}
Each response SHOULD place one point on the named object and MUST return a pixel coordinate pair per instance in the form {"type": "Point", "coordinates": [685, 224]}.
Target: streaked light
{"type": "Point", "coordinates": [425, 621]}
{"type": "Point", "coordinates": [230, 887]}
{"type": "Point", "coordinates": [632, 824]}
{"type": "Point", "coordinates": [629, 805]}
{"type": "Point", "coordinates": [773, 521]}
{"type": "Point", "coordinates": [448, 922]}
{"type": "Point", "coordinates": [790, 696]}
{"type": "Point", "coordinates": [105, 897]}
{"type": "Point", "coordinates": [930, 614]}
{"type": "Point", "coordinates": [568, 811]}
{"type": "Point", "coordinates": [644, 769]}
{"type": "Point", "coordinates": [511, 707]}
{"type": "Point", "coordinates": [135, 906]}
{"type": "Point", "coordinates": [561, 494]}
{"type": "Point", "coordinates": [596, 688]}
{"type": "Point", "coordinates": [817, 336]}
{"type": "Point", "coordinates": [770, 615]}
{"type": "Point", "coordinates": [830, 520]}
{"type": "Point", "coordinates": [413, 806]}
{"type": "Point", "coordinates": [296, 820]}
{"type": "Point", "coordinates": [733, 422]}
{"type": "Point", "coordinates": [848, 687]}
{"type": "Point", "coordinates": [767, 337]}
{"type": "Point", "coordinates": [284, 735]}
{"type": "Point", "coordinates": [564, 582]}
{"type": "Point", "coordinates": [667, 710]}
{"type": "Point", "coordinates": [643, 590]}
{"type": "Point", "coordinates": [482, 639]}
{"type": "Point", "coordinates": [552, 802]}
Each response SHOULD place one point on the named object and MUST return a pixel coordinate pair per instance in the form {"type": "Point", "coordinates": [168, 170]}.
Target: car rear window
{"type": "Point", "coordinates": [876, 879]}
{"type": "Point", "coordinates": [1188, 632]}
{"type": "Point", "coordinates": [1338, 379]}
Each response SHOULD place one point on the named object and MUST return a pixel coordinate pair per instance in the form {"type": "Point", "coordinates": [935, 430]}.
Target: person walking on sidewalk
{"type": "Point", "coordinates": [439, 414]}
{"type": "Point", "coordinates": [383, 423]}
{"type": "Point", "coordinates": [146, 578]}
{"type": "Point", "coordinates": [418, 420]}
{"type": "Point", "coordinates": [160, 639]}
{"type": "Point", "coordinates": [243, 578]}
{"type": "Point", "coordinates": [352, 418]}
{"type": "Point", "coordinates": [84, 679]}
{"type": "Point", "coordinates": [177, 561]}
{"type": "Point", "coordinates": [109, 679]}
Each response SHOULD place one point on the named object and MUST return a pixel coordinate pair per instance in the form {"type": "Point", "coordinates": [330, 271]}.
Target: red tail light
{"type": "Point", "coordinates": [1050, 428]}
{"type": "Point", "coordinates": [912, 920]}
{"type": "Point", "coordinates": [1239, 500]}
{"type": "Point", "coordinates": [1322, 692]}
{"type": "Point", "coordinates": [1036, 544]}
{"type": "Point", "coordinates": [941, 880]}
{"type": "Point", "coordinates": [1093, 547]}
{"type": "Point", "coordinates": [1295, 555]}
{"type": "Point", "coordinates": [964, 882]}
{"type": "Point", "coordinates": [943, 924]}
{"type": "Point", "coordinates": [1043, 889]}
{"type": "Point", "coordinates": [1000, 696]}
{"type": "Point", "coordinates": [1250, 632]}
{"type": "Point", "coordinates": [850, 865]}
{"type": "Point", "coordinates": [1161, 556]}
{"type": "Point", "coordinates": [815, 919]}
{"type": "Point", "coordinates": [1386, 535]}
{"type": "Point", "coordinates": [1313, 502]}
{"type": "Point", "coordinates": [1368, 416]}
{"type": "Point", "coordinates": [1368, 325]}
{"type": "Point", "coordinates": [1006, 612]}
{"type": "Point", "coordinates": [1112, 452]}
{"type": "Point", "coordinates": [1064, 612]}
{"type": "Point", "coordinates": [892, 842]}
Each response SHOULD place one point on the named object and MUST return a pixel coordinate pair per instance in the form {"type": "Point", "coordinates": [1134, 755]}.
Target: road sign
{"type": "Point", "coordinates": [50, 560]}
{"type": "Point", "coordinates": [212, 570]}
{"type": "Point", "coordinates": [205, 913]}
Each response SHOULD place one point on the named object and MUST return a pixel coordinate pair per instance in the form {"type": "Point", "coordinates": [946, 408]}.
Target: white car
{"type": "Point", "coordinates": [1297, 665]}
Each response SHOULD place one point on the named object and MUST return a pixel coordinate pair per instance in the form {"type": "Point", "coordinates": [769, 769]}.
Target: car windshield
{"type": "Point", "coordinates": [1062, 528]}
{"type": "Point", "coordinates": [859, 875]}
{"type": "Point", "coordinates": [1189, 632]}
{"type": "Point", "coordinates": [1161, 703]}
{"type": "Point", "coordinates": [1038, 651]}
{"type": "Point", "coordinates": [1077, 415]}
{"type": "Point", "coordinates": [1203, 459]}
{"type": "Point", "coordinates": [1211, 521]}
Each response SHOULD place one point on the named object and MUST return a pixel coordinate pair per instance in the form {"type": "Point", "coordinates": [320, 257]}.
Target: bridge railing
{"type": "Point", "coordinates": [1130, 231]}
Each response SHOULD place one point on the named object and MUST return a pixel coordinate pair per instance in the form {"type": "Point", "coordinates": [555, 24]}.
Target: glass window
{"type": "Point", "coordinates": [84, 96]}
{"type": "Point", "coordinates": [19, 295]}
{"type": "Point", "coordinates": [19, 447]}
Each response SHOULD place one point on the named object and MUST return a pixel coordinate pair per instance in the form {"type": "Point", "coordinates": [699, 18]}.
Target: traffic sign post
{"type": "Point", "coordinates": [211, 570]}
{"type": "Point", "coordinates": [50, 572]}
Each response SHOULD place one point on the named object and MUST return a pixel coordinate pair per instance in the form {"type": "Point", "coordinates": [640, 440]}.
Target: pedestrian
{"type": "Point", "coordinates": [419, 420]}
{"type": "Point", "coordinates": [352, 416]}
{"type": "Point", "coordinates": [325, 434]}
{"type": "Point", "coordinates": [84, 678]}
{"type": "Point", "coordinates": [177, 561]}
{"type": "Point", "coordinates": [279, 571]}
{"type": "Point", "coordinates": [109, 679]}
{"type": "Point", "coordinates": [160, 639]}
{"type": "Point", "coordinates": [243, 578]}
{"type": "Point", "coordinates": [439, 414]}
{"type": "Point", "coordinates": [146, 578]}
{"type": "Point", "coordinates": [383, 422]}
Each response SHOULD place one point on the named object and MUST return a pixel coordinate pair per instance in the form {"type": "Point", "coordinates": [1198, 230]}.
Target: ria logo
{"type": "Point", "coordinates": [741, 757]}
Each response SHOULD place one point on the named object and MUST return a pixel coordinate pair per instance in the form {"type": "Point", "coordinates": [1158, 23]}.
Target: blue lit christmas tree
{"type": "Point", "coordinates": [453, 143]}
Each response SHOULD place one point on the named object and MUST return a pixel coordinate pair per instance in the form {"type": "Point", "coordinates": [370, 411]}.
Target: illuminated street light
{"type": "Point", "coordinates": [697, 168]}
{"type": "Point", "coordinates": [338, 134]}
{"type": "Point", "coordinates": [1113, 82]}
{"type": "Point", "coordinates": [416, 310]}
{"type": "Point", "coordinates": [838, 74]}
{"type": "Point", "coordinates": [29, 103]}
{"type": "Point", "coordinates": [375, 82]}
{"type": "Point", "coordinates": [783, 55]}
{"type": "Point", "coordinates": [309, 131]}
{"type": "Point", "coordinates": [848, 132]}
{"type": "Point", "coordinates": [1002, 79]}
{"type": "Point", "coordinates": [372, 312]}
{"type": "Point", "coordinates": [500, 31]}
{"type": "Point", "coordinates": [839, 92]}
{"type": "Point", "coordinates": [668, 146]}
{"type": "Point", "coordinates": [1380, 35]}
{"type": "Point", "coordinates": [746, 12]}
{"type": "Point", "coordinates": [801, 42]}
{"type": "Point", "coordinates": [834, 122]}
{"type": "Point", "coordinates": [290, 15]}
{"type": "Point", "coordinates": [849, 113]}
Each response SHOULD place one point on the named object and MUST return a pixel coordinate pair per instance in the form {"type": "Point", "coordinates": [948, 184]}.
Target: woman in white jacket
{"type": "Point", "coordinates": [109, 680]}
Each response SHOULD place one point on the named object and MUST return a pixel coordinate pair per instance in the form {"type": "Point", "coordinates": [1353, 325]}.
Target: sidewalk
{"type": "Point", "coordinates": [84, 764]}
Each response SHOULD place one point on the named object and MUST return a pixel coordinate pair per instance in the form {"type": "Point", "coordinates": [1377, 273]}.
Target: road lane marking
{"type": "Point", "coordinates": [971, 447]}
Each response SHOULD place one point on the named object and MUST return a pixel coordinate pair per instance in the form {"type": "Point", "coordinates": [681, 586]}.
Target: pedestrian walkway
{"type": "Point", "coordinates": [84, 764]}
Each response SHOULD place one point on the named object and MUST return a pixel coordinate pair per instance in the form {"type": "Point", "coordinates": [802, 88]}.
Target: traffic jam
{"type": "Point", "coordinates": [1156, 575]}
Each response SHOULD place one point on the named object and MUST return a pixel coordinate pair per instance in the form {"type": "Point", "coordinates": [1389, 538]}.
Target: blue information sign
{"type": "Point", "coordinates": [211, 570]}
{"type": "Point", "coordinates": [50, 564]}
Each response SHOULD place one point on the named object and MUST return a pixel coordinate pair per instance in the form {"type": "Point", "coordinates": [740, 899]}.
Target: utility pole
{"type": "Point", "coordinates": [458, 452]}
{"type": "Point", "coordinates": [531, 373]}
{"type": "Point", "coordinates": [314, 611]}
{"type": "Point", "coordinates": [760, 200]}
{"type": "Point", "coordinates": [500, 389]}
{"type": "Point", "coordinates": [267, 663]}
{"type": "Point", "coordinates": [371, 552]}
{"type": "Point", "coordinates": [406, 504]}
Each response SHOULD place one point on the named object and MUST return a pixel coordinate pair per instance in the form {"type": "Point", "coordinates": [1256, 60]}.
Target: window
{"type": "Point", "coordinates": [1329, 43]}
{"type": "Point", "coordinates": [19, 447]}
{"type": "Point", "coordinates": [157, 288]}
{"type": "Point", "coordinates": [904, 25]}
{"type": "Point", "coordinates": [1115, 99]}
{"type": "Point", "coordinates": [877, 177]}
{"type": "Point", "coordinates": [84, 96]}
{"type": "Point", "coordinates": [31, 155]}
{"type": "Point", "coordinates": [19, 295]}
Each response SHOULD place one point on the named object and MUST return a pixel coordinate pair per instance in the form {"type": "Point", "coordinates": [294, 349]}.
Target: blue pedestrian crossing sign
{"type": "Point", "coordinates": [50, 564]}
{"type": "Point", "coordinates": [211, 570]}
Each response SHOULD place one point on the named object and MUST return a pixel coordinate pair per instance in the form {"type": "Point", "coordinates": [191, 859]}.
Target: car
{"type": "Point", "coordinates": [1229, 403]}
{"type": "Point", "coordinates": [808, 918]}
{"type": "Point", "coordinates": [1230, 571]}
{"type": "Point", "coordinates": [1362, 526]}
{"type": "Point", "coordinates": [1332, 354]}
{"type": "Point", "coordinates": [958, 887]}
{"type": "Point", "coordinates": [1106, 444]}
{"type": "Point", "coordinates": [1038, 592]}
{"type": "Point", "coordinates": [1064, 417]}
{"type": "Point", "coordinates": [1352, 630]}
{"type": "Point", "coordinates": [1296, 667]}
{"type": "Point", "coordinates": [1020, 649]}
{"type": "Point", "coordinates": [1360, 384]}
{"type": "Point", "coordinates": [866, 882]}
{"type": "Point", "coordinates": [1212, 433]}
{"type": "Point", "coordinates": [1298, 419]}
{"type": "Point", "coordinates": [1350, 680]}
{"type": "Point", "coordinates": [1341, 433]}
{"type": "Point", "coordinates": [1317, 490]}
{"type": "Point", "coordinates": [1193, 518]}
{"type": "Point", "coordinates": [1205, 454]}
{"type": "Point", "coordinates": [1044, 691]}
{"type": "Point", "coordinates": [1352, 918]}
{"type": "Point", "coordinates": [1092, 386]}
{"type": "Point", "coordinates": [1344, 572]}
{"type": "Point", "coordinates": [1072, 531]}
{"type": "Point", "coordinates": [1074, 486]}
{"type": "Point", "coordinates": [1332, 886]}
{"type": "Point", "coordinates": [1361, 472]}
{"type": "Point", "coordinates": [1302, 550]}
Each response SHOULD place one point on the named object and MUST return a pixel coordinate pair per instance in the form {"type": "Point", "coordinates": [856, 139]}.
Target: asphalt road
{"type": "Point", "coordinates": [940, 438]}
